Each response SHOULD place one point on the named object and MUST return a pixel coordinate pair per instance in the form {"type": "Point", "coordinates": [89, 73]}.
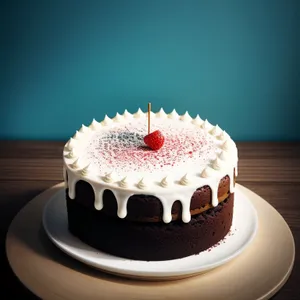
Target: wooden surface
{"type": "Point", "coordinates": [271, 170]}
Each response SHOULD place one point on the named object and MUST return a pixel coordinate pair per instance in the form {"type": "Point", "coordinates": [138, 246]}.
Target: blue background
{"type": "Point", "coordinates": [235, 63]}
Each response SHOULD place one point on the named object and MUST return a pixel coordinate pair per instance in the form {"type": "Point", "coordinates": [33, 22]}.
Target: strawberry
{"type": "Point", "coordinates": [154, 140]}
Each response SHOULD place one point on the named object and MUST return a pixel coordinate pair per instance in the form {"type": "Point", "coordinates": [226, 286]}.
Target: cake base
{"type": "Point", "coordinates": [34, 259]}
{"type": "Point", "coordinates": [150, 241]}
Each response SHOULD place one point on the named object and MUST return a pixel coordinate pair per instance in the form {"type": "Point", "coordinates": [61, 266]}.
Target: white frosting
{"type": "Point", "coordinates": [206, 125]}
{"type": "Point", "coordinates": [109, 177]}
{"type": "Point", "coordinates": [186, 117]}
{"type": "Point", "coordinates": [185, 180]}
{"type": "Point", "coordinates": [106, 121]}
{"type": "Point", "coordinates": [84, 129]}
{"type": "Point", "coordinates": [95, 125]}
{"type": "Point", "coordinates": [215, 130]}
{"type": "Point", "coordinates": [70, 144]}
{"type": "Point", "coordinates": [118, 118]}
{"type": "Point", "coordinates": [207, 172]}
{"type": "Point", "coordinates": [161, 114]}
{"type": "Point", "coordinates": [139, 114]}
{"type": "Point", "coordinates": [173, 114]}
{"type": "Point", "coordinates": [124, 183]}
{"type": "Point", "coordinates": [197, 121]}
{"type": "Point", "coordinates": [75, 164]}
{"type": "Point", "coordinates": [142, 185]}
{"type": "Point", "coordinates": [165, 182]}
{"type": "Point", "coordinates": [78, 135]}
{"type": "Point", "coordinates": [190, 152]}
{"type": "Point", "coordinates": [126, 114]}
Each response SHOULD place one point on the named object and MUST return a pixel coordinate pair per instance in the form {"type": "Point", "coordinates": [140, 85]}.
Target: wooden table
{"type": "Point", "coordinates": [271, 170]}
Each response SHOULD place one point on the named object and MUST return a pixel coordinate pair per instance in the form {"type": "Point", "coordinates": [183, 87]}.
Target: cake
{"type": "Point", "coordinates": [134, 202]}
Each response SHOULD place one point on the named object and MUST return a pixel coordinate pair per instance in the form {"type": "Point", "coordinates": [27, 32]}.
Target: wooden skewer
{"type": "Point", "coordinates": [149, 110]}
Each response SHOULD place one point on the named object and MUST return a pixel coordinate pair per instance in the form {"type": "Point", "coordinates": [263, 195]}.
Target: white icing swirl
{"type": "Point", "coordinates": [109, 177]}
{"type": "Point", "coordinates": [75, 164]}
{"type": "Point", "coordinates": [186, 117]}
{"type": "Point", "coordinates": [84, 129]}
{"type": "Point", "coordinates": [222, 135]}
{"type": "Point", "coordinates": [78, 135]}
{"type": "Point", "coordinates": [126, 114]}
{"type": "Point", "coordinates": [225, 146]}
{"type": "Point", "coordinates": [139, 114]}
{"type": "Point", "coordinates": [118, 118]}
{"type": "Point", "coordinates": [206, 125]}
{"type": "Point", "coordinates": [217, 164]}
{"type": "Point", "coordinates": [71, 144]}
{"type": "Point", "coordinates": [223, 155]}
{"type": "Point", "coordinates": [71, 154]}
{"type": "Point", "coordinates": [184, 180]}
{"type": "Point", "coordinates": [197, 121]}
{"type": "Point", "coordinates": [142, 185]}
{"type": "Point", "coordinates": [124, 183]}
{"type": "Point", "coordinates": [95, 125]}
{"type": "Point", "coordinates": [215, 130]}
{"type": "Point", "coordinates": [161, 114]}
{"type": "Point", "coordinates": [86, 170]}
{"type": "Point", "coordinates": [106, 121]}
{"type": "Point", "coordinates": [166, 182]}
{"type": "Point", "coordinates": [173, 114]}
{"type": "Point", "coordinates": [207, 172]}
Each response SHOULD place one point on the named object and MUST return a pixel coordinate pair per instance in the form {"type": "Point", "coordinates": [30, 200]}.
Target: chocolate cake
{"type": "Point", "coordinates": [159, 196]}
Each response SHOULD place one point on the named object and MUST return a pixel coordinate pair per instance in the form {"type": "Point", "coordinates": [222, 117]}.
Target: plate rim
{"type": "Point", "coordinates": [194, 270]}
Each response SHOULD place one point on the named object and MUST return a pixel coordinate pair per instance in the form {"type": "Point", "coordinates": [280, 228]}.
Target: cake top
{"type": "Point", "coordinates": [113, 151]}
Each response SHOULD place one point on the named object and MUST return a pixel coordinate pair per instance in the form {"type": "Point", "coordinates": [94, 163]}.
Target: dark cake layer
{"type": "Point", "coordinates": [147, 208]}
{"type": "Point", "coordinates": [150, 241]}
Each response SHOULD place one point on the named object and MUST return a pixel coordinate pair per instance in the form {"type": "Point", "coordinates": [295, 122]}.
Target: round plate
{"type": "Point", "coordinates": [240, 236]}
{"type": "Point", "coordinates": [258, 273]}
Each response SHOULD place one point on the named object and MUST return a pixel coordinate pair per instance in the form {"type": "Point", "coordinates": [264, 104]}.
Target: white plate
{"type": "Point", "coordinates": [244, 228]}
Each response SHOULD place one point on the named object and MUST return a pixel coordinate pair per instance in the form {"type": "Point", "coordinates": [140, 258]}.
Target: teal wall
{"type": "Point", "coordinates": [235, 63]}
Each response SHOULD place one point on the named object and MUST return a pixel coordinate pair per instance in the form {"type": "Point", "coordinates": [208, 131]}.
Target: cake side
{"type": "Point", "coordinates": [150, 241]}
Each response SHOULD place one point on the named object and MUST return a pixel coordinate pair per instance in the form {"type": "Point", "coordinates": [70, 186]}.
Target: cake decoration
{"type": "Point", "coordinates": [142, 185]}
{"type": "Point", "coordinates": [95, 125]}
{"type": "Point", "coordinates": [109, 177]}
{"type": "Point", "coordinates": [84, 129]}
{"type": "Point", "coordinates": [154, 140]}
{"type": "Point", "coordinates": [75, 164]}
{"type": "Point", "coordinates": [126, 114]}
{"type": "Point", "coordinates": [222, 135]}
{"type": "Point", "coordinates": [161, 114]}
{"type": "Point", "coordinates": [165, 182]}
{"type": "Point", "coordinates": [70, 145]}
{"type": "Point", "coordinates": [225, 146]}
{"type": "Point", "coordinates": [217, 164]}
{"type": "Point", "coordinates": [205, 125]}
{"type": "Point", "coordinates": [118, 118]}
{"type": "Point", "coordinates": [124, 183]}
{"type": "Point", "coordinates": [86, 170]}
{"type": "Point", "coordinates": [184, 180]}
{"type": "Point", "coordinates": [71, 154]}
{"type": "Point", "coordinates": [197, 120]}
{"type": "Point", "coordinates": [139, 114]}
{"type": "Point", "coordinates": [120, 147]}
{"type": "Point", "coordinates": [106, 121]}
{"type": "Point", "coordinates": [186, 117]}
{"type": "Point", "coordinates": [215, 130]}
{"type": "Point", "coordinates": [173, 114]}
{"type": "Point", "coordinates": [78, 135]}
{"type": "Point", "coordinates": [207, 172]}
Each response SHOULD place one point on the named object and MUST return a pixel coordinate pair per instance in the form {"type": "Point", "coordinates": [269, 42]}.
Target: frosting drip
{"type": "Point", "coordinates": [190, 151]}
